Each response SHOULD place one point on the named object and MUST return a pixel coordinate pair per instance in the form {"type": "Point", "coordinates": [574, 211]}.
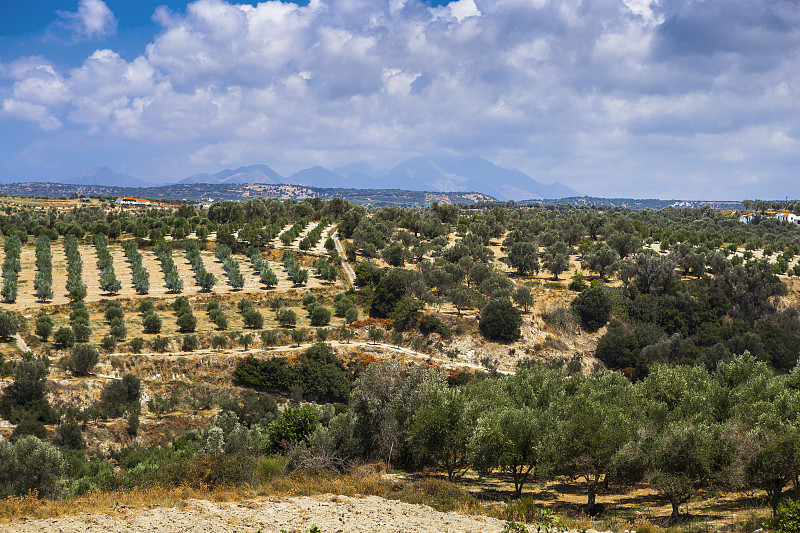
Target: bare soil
{"type": "Point", "coordinates": [329, 513]}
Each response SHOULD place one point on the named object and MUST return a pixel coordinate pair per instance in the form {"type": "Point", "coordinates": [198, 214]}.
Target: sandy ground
{"type": "Point", "coordinates": [331, 514]}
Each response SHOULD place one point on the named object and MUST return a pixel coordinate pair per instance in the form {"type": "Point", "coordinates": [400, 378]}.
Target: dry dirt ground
{"type": "Point", "coordinates": [329, 513]}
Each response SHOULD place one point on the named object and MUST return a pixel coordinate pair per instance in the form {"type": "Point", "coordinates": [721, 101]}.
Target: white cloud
{"type": "Point", "coordinates": [595, 94]}
{"type": "Point", "coordinates": [27, 111]}
{"type": "Point", "coordinates": [92, 20]}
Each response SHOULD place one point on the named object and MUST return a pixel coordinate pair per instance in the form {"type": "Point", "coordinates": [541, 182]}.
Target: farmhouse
{"type": "Point", "coordinates": [788, 217]}
{"type": "Point", "coordinates": [747, 217]}
{"type": "Point", "coordinates": [129, 200]}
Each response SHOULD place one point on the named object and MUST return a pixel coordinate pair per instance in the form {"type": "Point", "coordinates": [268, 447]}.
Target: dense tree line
{"type": "Point", "coordinates": [681, 429]}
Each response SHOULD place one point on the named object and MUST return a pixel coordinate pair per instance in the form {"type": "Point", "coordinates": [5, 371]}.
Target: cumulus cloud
{"type": "Point", "coordinates": [92, 20]}
{"type": "Point", "coordinates": [628, 97]}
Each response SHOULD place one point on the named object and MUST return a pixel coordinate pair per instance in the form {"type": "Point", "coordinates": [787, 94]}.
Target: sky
{"type": "Point", "coordinates": [685, 99]}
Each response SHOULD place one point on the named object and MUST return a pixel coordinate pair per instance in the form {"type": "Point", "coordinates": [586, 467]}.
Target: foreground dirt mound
{"type": "Point", "coordinates": [331, 514]}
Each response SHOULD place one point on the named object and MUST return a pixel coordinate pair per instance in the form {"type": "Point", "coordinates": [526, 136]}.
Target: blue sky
{"type": "Point", "coordinates": [667, 98]}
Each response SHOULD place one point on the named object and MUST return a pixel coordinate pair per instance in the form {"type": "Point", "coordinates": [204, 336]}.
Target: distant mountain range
{"type": "Point", "coordinates": [433, 174]}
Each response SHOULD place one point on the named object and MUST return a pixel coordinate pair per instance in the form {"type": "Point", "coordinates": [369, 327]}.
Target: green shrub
{"type": "Point", "coordinates": [593, 307]}
{"type": "Point", "coordinates": [272, 467]}
{"type": "Point", "coordinates": [500, 321]}
{"type": "Point", "coordinates": [83, 357]}
{"type": "Point", "coordinates": [136, 344]}
{"type": "Point", "coordinates": [31, 464]}
{"type": "Point", "coordinates": [190, 343]}
{"type": "Point", "coordinates": [787, 520]}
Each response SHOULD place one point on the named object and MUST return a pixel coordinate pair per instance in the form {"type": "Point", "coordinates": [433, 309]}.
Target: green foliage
{"type": "Point", "coordinates": [320, 316]}
{"type": "Point", "coordinates": [83, 357]}
{"type": "Point", "coordinates": [31, 464]}
{"type": "Point", "coordinates": [318, 372]}
{"type": "Point", "coordinates": [9, 324]}
{"type": "Point", "coordinates": [136, 344]}
{"type": "Point", "coordinates": [500, 320]}
{"type": "Point", "coordinates": [219, 342]}
{"type": "Point", "coordinates": [388, 292]}
{"type": "Point", "coordinates": [64, 337]}
{"type": "Point", "coordinates": [286, 317]}
{"type": "Point", "coordinates": [593, 307]}
{"type": "Point", "coordinates": [292, 427]}
{"type": "Point", "coordinates": [787, 520]}
{"type": "Point", "coordinates": [151, 322]}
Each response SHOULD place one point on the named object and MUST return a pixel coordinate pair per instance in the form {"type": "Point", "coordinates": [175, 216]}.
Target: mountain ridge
{"type": "Point", "coordinates": [436, 174]}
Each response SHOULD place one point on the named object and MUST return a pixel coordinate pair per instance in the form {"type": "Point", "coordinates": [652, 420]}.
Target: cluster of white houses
{"type": "Point", "coordinates": [783, 217]}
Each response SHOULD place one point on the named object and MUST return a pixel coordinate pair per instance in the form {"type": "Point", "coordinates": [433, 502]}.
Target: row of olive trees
{"type": "Point", "coordinates": [141, 278]}
{"type": "Point", "coordinates": [43, 281]}
{"type": "Point", "coordinates": [105, 263]}
{"type": "Point", "coordinates": [204, 279]}
{"type": "Point", "coordinates": [292, 233]}
{"type": "Point", "coordinates": [75, 286]}
{"type": "Point", "coordinates": [231, 266]}
{"type": "Point", "coordinates": [261, 266]}
{"type": "Point", "coordinates": [11, 268]}
{"type": "Point", "coordinates": [172, 280]}
{"type": "Point", "coordinates": [314, 236]}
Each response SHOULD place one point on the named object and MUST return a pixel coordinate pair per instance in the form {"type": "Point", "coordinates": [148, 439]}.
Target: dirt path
{"type": "Point", "coordinates": [351, 275]}
{"type": "Point", "coordinates": [381, 347]}
{"type": "Point", "coordinates": [328, 512]}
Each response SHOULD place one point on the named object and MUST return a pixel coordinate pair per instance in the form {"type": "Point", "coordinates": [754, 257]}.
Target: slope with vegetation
{"type": "Point", "coordinates": [616, 350]}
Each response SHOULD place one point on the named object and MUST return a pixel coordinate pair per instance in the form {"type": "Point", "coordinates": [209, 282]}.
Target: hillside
{"type": "Point", "coordinates": [480, 355]}
{"type": "Point", "coordinates": [239, 191]}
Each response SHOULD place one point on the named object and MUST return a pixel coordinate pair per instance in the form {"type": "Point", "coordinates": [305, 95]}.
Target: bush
{"type": "Point", "coordinates": [136, 344]}
{"type": "Point", "coordinates": [219, 319]}
{"type": "Point", "coordinates": [253, 319]}
{"type": "Point", "coordinates": [787, 520]}
{"type": "Point", "coordinates": [160, 344]}
{"type": "Point", "coordinates": [431, 324]}
{"type": "Point", "coordinates": [69, 436]}
{"type": "Point", "coordinates": [44, 326]}
{"type": "Point", "coordinates": [9, 324]}
{"type": "Point", "coordinates": [108, 343]}
{"type": "Point", "coordinates": [286, 317]}
{"type": "Point", "coordinates": [593, 307]}
{"type": "Point", "coordinates": [84, 357]}
{"type": "Point", "coordinates": [64, 337]}
{"type": "Point", "coordinates": [294, 426]}
{"type": "Point", "coordinates": [151, 323]}
{"type": "Point", "coordinates": [320, 316]}
{"type": "Point", "coordinates": [81, 330]}
{"type": "Point", "coordinates": [187, 323]}
{"type": "Point", "coordinates": [31, 464]}
{"type": "Point", "coordinates": [190, 343]}
{"type": "Point", "coordinates": [269, 338]}
{"type": "Point", "coordinates": [118, 330]}
{"type": "Point", "coordinates": [273, 467]}
{"type": "Point", "coordinates": [219, 342]}
{"type": "Point", "coordinates": [500, 321]}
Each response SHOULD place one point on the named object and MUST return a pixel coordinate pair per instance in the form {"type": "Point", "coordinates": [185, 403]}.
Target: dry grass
{"type": "Point", "coordinates": [366, 481]}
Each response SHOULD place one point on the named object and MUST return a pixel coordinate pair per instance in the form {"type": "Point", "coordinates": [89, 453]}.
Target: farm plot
{"type": "Point", "coordinates": [90, 275]}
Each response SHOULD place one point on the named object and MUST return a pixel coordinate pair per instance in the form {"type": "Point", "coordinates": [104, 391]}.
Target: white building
{"type": "Point", "coordinates": [129, 200]}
